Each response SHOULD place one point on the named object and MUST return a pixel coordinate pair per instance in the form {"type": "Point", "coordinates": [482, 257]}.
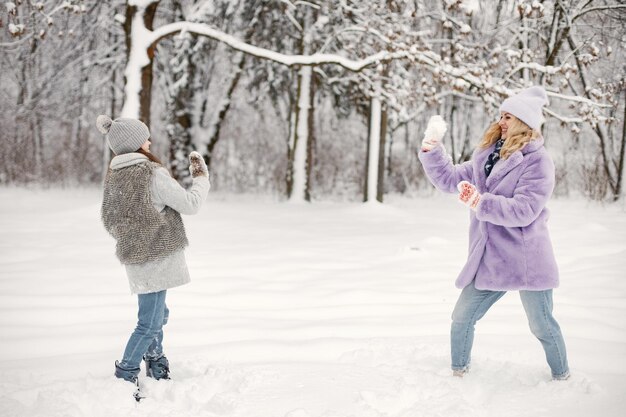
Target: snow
{"type": "Point", "coordinates": [435, 129]}
{"type": "Point", "coordinates": [470, 6]}
{"type": "Point", "coordinates": [16, 29]}
{"type": "Point", "coordinates": [140, 3]}
{"type": "Point", "coordinates": [307, 310]}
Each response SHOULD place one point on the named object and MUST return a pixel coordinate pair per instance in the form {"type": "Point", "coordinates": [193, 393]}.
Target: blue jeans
{"type": "Point", "coordinates": [472, 306]}
{"type": "Point", "coordinates": [147, 339]}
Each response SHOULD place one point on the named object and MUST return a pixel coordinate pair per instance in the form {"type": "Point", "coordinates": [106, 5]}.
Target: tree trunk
{"type": "Point", "coordinates": [180, 107]}
{"type": "Point", "coordinates": [453, 127]}
{"type": "Point", "coordinates": [299, 188]}
{"type": "Point", "coordinates": [606, 160]}
{"type": "Point", "coordinates": [291, 141]}
{"type": "Point", "coordinates": [35, 125]}
{"type": "Point", "coordinates": [380, 183]}
{"type": "Point", "coordinates": [557, 36]}
{"type": "Point", "coordinates": [215, 128]}
{"type": "Point", "coordinates": [373, 150]}
{"type": "Point", "coordinates": [107, 153]}
{"type": "Point", "coordinates": [620, 166]}
{"type": "Point", "coordinates": [140, 109]}
{"type": "Point", "coordinates": [214, 132]}
{"type": "Point", "coordinates": [310, 138]}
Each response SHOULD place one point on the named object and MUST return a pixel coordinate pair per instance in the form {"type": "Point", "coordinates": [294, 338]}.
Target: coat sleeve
{"type": "Point", "coordinates": [532, 192]}
{"type": "Point", "coordinates": [442, 173]}
{"type": "Point", "coordinates": [167, 191]}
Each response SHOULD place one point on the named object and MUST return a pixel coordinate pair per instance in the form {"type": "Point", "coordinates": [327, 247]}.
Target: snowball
{"type": "Point", "coordinates": [436, 128]}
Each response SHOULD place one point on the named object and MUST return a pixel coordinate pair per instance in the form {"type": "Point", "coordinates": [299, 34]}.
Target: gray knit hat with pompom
{"type": "Point", "coordinates": [123, 135]}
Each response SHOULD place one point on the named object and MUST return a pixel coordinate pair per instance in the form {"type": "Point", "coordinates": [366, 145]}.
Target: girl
{"type": "Point", "coordinates": [506, 184]}
{"type": "Point", "coordinates": [141, 209]}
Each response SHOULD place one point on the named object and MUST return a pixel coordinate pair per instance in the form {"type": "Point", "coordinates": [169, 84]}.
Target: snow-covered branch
{"type": "Point", "coordinates": [598, 8]}
{"type": "Point", "coordinates": [578, 99]}
{"type": "Point", "coordinates": [289, 60]}
{"type": "Point", "coordinates": [460, 78]}
{"type": "Point", "coordinates": [564, 119]}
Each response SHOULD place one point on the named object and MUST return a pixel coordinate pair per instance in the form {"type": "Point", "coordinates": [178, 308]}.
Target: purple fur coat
{"type": "Point", "coordinates": [509, 244]}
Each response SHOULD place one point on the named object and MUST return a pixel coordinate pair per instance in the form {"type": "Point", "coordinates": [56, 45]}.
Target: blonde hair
{"type": "Point", "coordinates": [519, 135]}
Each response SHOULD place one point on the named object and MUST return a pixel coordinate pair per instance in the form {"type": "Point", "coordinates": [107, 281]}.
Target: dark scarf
{"type": "Point", "coordinates": [142, 233]}
{"type": "Point", "coordinates": [493, 157]}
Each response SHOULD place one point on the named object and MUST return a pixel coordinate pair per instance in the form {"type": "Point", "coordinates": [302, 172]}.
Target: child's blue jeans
{"type": "Point", "coordinates": [147, 338]}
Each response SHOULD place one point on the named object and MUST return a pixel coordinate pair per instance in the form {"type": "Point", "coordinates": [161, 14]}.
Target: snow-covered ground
{"type": "Point", "coordinates": [313, 310]}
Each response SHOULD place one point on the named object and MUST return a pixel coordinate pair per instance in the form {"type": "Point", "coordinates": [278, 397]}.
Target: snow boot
{"type": "Point", "coordinates": [563, 377]}
{"type": "Point", "coordinates": [129, 375]}
{"type": "Point", "coordinates": [460, 373]}
{"type": "Point", "coordinates": [157, 368]}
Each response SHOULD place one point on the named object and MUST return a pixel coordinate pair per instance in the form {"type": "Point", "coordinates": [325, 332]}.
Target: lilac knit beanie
{"type": "Point", "coordinates": [527, 106]}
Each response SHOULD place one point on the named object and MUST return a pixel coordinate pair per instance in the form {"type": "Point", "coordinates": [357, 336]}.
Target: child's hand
{"type": "Point", "coordinates": [468, 194]}
{"type": "Point", "coordinates": [197, 166]}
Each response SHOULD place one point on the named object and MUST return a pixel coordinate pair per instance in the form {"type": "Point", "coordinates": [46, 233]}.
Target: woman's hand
{"type": "Point", "coordinates": [468, 194]}
{"type": "Point", "coordinates": [435, 130]}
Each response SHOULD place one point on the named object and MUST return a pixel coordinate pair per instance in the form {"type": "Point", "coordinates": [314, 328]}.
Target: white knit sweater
{"type": "Point", "coordinates": [171, 271]}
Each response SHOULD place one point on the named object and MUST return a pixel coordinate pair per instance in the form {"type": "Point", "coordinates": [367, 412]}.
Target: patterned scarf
{"type": "Point", "coordinates": [493, 157]}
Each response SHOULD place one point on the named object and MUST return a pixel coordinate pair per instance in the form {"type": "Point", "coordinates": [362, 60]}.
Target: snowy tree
{"type": "Point", "coordinates": [50, 53]}
{"type": "Point", "coordinates": [138, 72]}
{"type": "Point", "coordinates": [313, 62]}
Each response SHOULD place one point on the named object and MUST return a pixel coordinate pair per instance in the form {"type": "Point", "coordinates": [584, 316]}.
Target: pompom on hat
{"type": "Point", "coordinates": [527, 106]}
{"type": "Point", "coordinates": [123, 135]}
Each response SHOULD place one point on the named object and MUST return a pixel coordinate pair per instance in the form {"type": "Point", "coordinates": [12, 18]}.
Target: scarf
{"type": "Point", "coordinates": [493, 157]}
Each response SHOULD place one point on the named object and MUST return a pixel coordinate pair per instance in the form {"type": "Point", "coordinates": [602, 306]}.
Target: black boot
{"type": "Point", "coordinates": [157, 368]}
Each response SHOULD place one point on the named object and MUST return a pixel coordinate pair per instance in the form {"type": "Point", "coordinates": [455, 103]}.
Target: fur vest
{"type": "Point", "coordinates": [142, 233]}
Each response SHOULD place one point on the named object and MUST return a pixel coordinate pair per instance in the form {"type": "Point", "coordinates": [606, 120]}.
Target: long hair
{"type": "Point", "coordinates": [150, 156]}
{"type": "Point", "coordinates": [153, 158]}
{"type": "Point", "coordinates": [519, 135]}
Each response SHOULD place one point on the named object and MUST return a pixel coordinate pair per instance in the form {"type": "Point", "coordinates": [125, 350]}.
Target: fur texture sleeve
{"type": "Point", "coordinates": [167, 191]}
{"type": "Point", "coordinates": [532, 192]}
{"type": "Point", "coordinates": [442, 173]}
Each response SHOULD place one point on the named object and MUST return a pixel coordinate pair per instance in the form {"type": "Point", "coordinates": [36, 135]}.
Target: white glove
{"type": "Point", "coordinates": [435, 130]}
{"type": "Point", "coordinates": [197, 166]}
{"type": "Point", "coordinates": [468, 194]}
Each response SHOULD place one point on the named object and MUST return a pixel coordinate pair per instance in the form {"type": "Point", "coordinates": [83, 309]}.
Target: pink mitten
{"type": "Point", "coordinates": [468, 194]}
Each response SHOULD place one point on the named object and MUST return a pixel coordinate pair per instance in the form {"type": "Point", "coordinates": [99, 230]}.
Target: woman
{"type": "Point", "coordinates": [141, 209]}
{"type": "Point", "coordinates": [506, 184]}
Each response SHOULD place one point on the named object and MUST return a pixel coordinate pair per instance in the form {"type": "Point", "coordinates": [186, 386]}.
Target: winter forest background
{"type": "Point", "coordinates": [307, 99]}
{"type": "Point", "coordinates": [331, 309]}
